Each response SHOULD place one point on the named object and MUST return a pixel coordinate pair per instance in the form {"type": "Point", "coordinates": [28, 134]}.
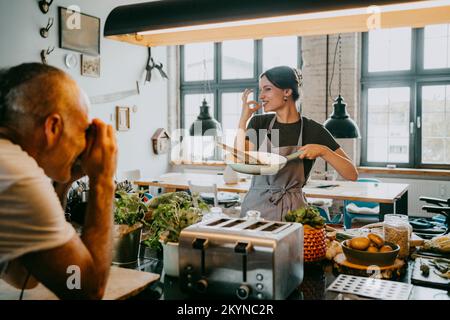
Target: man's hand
{"type": "Point", "coordinates": [100, 157]}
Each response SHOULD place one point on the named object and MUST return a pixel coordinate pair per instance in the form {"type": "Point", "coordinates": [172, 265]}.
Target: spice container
{"type": "Point", "coordinates": [398, 230]}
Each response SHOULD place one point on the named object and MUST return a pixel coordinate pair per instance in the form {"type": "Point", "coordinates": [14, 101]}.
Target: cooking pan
{"type": "Point", "coordinates": [272, 163]}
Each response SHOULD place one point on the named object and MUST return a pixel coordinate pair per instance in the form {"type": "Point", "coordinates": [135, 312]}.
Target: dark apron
{"type": "Point", "coordinates": [277, 194]}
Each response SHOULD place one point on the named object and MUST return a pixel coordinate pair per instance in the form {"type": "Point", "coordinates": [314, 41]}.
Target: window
{"type": "Point", "coordinates": [406, 97]}
{"type": "Point", "coordinates": [220, 72]}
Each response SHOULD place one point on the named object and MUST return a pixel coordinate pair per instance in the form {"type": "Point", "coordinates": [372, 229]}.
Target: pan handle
{"type": "Point", "coordinates": [294, 155]}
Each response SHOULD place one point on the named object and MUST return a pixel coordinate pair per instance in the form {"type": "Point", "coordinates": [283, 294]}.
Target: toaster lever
{"type": "Point", "coordinates": [201, 244]}
{"type": "Point", "coordinates": [242, 247]}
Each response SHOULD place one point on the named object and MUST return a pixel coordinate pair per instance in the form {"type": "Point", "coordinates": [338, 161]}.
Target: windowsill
{"type": "Point", "coordinates": [405, 171]}
{"type": "Point", "coordinates": [370, 170]}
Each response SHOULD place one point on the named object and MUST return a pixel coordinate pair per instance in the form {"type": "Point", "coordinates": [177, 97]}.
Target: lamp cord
{"type": "Point", "coordinates": [206, 84]}
{"type": "Point", "coordinates": [338, 43]}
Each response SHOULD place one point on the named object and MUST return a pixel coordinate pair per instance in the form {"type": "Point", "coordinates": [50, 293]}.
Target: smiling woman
{"type": "Point", "coordinates": [284, 131]}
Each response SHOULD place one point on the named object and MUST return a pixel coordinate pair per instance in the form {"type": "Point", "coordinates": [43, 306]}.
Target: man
{"type": "Point", "coordinates": [45, 134]}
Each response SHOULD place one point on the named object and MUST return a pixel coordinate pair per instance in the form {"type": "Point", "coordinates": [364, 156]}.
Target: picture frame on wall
{"type": "Point", "coordinates": [79, 32]}
{"type": "Point", "coordinates": [90, 66]}
{"type": "Point", "coordinates": [122, 118]}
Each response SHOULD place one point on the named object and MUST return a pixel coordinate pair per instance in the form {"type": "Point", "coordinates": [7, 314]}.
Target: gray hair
{"type": "Point", "coordinates": [23, 99]}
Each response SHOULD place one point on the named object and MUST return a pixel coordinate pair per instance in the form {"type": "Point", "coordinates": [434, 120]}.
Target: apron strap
{"type": "Point", "coordinates": [300, 136]}
{"type": "Point", "coordinates": [272, 122]}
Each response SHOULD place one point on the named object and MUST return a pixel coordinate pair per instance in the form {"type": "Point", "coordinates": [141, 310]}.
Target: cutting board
{"type": "Point", "coordinates": [122, 284]}
{"type": "Point", "coordinates": [433, 280]}
{"type": "Point", "coordinates": [342, 265]}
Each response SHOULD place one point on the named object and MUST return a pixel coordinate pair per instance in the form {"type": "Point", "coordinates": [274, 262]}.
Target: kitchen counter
{"type": "Point", "coordinates": [317, 278]}
{"type": "Point", "coordinates": [122, 284]}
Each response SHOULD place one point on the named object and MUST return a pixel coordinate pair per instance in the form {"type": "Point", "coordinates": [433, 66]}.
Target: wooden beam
{"type": "Point", "coordinates": [415, 18]}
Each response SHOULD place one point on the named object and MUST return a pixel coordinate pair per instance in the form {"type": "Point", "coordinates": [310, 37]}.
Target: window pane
{"type": "Point", "coordinates": [280, 51]}
{"type": "Point", "coordinates": [237, 59]}
{"type": "Point", "coordinates": [435, 124]}
{"type": "Point", "coordinates": [437, 46]}
{"type": "Point", "coordinates": [197, 148]}
{"type": "Point", "coordinates": [199, 62]}
{"type": "Point", "coordinates": [388, 125]}
{"type": "Point", "coordinates": [390, 49]}
{"type": "Point", "coordinates": [231, 112]}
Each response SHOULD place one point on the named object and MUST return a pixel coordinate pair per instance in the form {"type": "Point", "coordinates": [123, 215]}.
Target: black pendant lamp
{"type": "Point", "coordinates": [174, 22]}
{"type": "Point", "coordinates": [340, 125]}
{"type": "Point", "coordinates": [205, 125]}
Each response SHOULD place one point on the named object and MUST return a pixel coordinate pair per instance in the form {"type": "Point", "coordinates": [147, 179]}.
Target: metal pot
{"type": "Point", "coordinates": [126, 246]}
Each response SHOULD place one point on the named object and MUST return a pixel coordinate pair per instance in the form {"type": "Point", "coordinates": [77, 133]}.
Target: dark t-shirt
{"type": "Point", "coordinates": [313, 133]}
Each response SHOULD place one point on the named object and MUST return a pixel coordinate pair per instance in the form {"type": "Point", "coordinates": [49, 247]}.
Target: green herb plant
{"type": "Point", "coordinates": [171, 213]}
{"type": "Point", "coordinates": [307, 216]}
{"type": "Point", "coordinates": [129, 208]}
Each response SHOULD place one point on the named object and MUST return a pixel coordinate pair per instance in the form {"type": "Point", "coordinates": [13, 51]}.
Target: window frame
{"type": "Point", "coordinates": [415, 78]}
{"type": "Point", "coordinates": [219, 85]}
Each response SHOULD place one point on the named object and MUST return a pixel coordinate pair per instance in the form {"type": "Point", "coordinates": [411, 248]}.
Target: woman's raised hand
{"type": "Point", "coordinates": [248, 107]}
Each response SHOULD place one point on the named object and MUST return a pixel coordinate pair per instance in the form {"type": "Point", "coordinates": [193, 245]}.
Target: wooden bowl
{"type": "Point", "coordinates": [365, 258]}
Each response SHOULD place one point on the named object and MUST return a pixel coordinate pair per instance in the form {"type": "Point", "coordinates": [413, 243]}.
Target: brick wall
{"type": "Point", "coordinates": [314, 93]}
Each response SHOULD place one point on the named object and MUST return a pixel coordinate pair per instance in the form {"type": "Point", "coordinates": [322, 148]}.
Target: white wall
{"type": "Point", "coordinates": [121, 65]}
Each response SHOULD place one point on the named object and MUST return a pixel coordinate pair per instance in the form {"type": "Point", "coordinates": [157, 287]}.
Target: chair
{"type": "Point", "coordinates": [131, 175]}
{"type": "Point", "coordinates": [442, 209]}
{"type": "Point", "coordinates": [199, 189]}
{"type": "Point", "coordinates": [360, 209]}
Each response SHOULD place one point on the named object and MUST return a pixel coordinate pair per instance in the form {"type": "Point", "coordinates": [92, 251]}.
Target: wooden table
{"type": "Point", "coordinates": [122, 284]}
{"type": "Point", "coordinates": [392, 197]}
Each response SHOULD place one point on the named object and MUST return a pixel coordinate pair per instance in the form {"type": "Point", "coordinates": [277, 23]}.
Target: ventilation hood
{"type": "Point", "coordinates": [173, 22]}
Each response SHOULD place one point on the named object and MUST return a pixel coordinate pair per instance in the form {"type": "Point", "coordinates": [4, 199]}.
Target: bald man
{"type": "Point", "coordinates": [45, 135]}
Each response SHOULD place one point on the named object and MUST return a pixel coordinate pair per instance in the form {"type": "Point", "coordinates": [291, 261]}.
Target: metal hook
{"type": "Point", "coordinates": [45, 54]}
{"type": "Point", "coordinates": [44, 31]}
{"type": "Point", "coordinates": [45, 6]}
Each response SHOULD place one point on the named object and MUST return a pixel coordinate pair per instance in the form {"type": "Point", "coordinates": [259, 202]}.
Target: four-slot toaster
{"type": "Point", "coordinates": [245, 258]}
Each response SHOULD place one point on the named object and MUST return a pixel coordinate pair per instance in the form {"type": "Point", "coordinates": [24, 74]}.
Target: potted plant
{"type": "Point", "coordinates": [129, 211]}
{"type": "Point", "coordinates": [168, 215]}
{"type": "Point", "coordinates": [314, 235]}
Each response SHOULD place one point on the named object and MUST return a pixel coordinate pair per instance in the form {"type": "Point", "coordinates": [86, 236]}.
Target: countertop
{"type": "Point", "coordinates": [317, 278]}
{"type": "Point", "coordinates": [123, 283]}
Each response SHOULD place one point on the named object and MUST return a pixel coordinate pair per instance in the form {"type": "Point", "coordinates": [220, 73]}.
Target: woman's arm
{"type": "Point", "coordinates": [337, 159]}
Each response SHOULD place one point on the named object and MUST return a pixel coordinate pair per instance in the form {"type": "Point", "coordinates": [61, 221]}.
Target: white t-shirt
{"type": "Point", "coordinates": [31, 216]}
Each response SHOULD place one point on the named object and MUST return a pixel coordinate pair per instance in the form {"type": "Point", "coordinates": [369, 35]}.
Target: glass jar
{"type": "Point", "coordinates": [397, 230]}
{"type": "Point", "coordinates": [253, 215]}
{"type": "Point", "coordinates": [214, 213]}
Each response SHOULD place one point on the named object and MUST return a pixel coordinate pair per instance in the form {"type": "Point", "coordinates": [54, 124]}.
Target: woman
{"type": "Point", "coordinates": [275, 195]}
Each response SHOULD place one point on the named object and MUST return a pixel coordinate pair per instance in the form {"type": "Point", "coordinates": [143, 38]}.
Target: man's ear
{"type": "Point", "coordinates": [53, 129]}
